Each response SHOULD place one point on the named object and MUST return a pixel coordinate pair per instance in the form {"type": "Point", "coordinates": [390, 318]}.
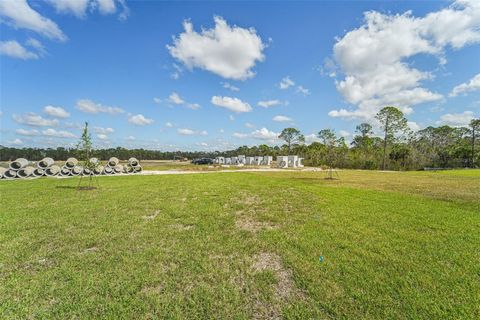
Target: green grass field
{"type": "Point", "coordinates": [243, 245]}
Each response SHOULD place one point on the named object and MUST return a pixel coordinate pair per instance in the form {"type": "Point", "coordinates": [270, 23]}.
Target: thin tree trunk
{"type": "Point", "coordinates": [473, 147]}
{"type": "Point", "coordinates": [385, 145]}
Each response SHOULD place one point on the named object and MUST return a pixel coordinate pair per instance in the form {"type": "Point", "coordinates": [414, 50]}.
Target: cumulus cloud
{"type": "Point", "coordinates": [249, 125]}
{"type": "Point", "coordinates": [373, 56]}
{"type": "Point", "coordinates": [16, 142]}
{"type": "Point", "coordinates": [175, 98]}
{"type": "Point", "coordinates": [286, 83]}
{"type": "Point", "coordinates": [228, 86]}
{"type": "Point", "coordinates": [88, 106]}
{"type": "Point", "coordinates": [344, 133]}
{"type": "Point", "coordinates": [24, 132]}
{"type": "Point", "coordinates": [232, 104]}
{"type": "Point", "coordinates": [457, 119]}
{"type": "Point", "coordinates": [281, 118]}
{"type": "Point", "coordinates": [302, 90]}
{"type": "Point", "coordinates": [20, 15]}
{"type": "Point", "coordinates": [139, 120]}
{"type": "Point", "coordinates": [472, 85]}
{"type": "Point", "coordinates": [57, 133]}
{"type": "Point", "coordinates": [413, 126]}
{"type": "Point", "coordinates": [35, 120]}
{"type": "Point", "coordinates": [13, 49]}
{"type": "Point", "coordinates": [57, 112]}
{"type": "Point", "coordinates": [79, 7]}
{"type": "Point", "coordinates": [265, 134]}
{"type": "Point", "coordinates": [102, 136]}
{"type": "Point", "coordinates": [240, 135]}
{"type": "Point", "coordinates": [190, 132]}
{"type": "Point", "coordinates": [168, 124]}
{"type": "Point", "coordinates": [103, 130]}
{"type": "Point", "coordinates": [228, 51]}
{"type": "Point", "coordinates": [269, 103]}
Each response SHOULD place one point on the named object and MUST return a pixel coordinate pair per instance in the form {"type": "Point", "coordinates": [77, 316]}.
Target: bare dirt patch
{"type": "Point", "coordinates": [252, 225]}
{"type": "Point", "coordinates": [152, 215]}
{"type": "Point", "coordinates": [181, 227]}
{"type": "Point", "coordinates": [284, 290]}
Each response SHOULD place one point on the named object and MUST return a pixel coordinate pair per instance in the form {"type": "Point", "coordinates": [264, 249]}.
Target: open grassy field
{"type": "Point", "coordinates": [376, 245]}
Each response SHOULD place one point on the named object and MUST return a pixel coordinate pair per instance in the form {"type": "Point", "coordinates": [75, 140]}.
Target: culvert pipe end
{"type": "Point", "coordinates": [19, 164]}
{"type": "Point", "coordinates": [45, 163]}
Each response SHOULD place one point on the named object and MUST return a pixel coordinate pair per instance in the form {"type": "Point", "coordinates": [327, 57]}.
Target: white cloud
{"type": "Point", "coordinates": [32, 119]}
{"type": "Point", "coordinates": [157, 100]}
{"type": "Point", "coordinates": [19, 14]}
{"type": "Point", "coordinates": [231, 118]}
{"type": "Point", "coordinates": [130, 138]}
{"type": "Point", "coordinates": [232, 104]}
{"type": "Point", "coordinates": [88, 106]}
{"type": "Point", "coordinates": [265, 134]}
{"type": "Point", "coordinates": [373, 56]}
{"type": "Point", "coordinates": [228, 51]}
{"type": "Point", "coordinates": [57, 112]}
{"type": "Point", "coordinates": [303, 90]}
{"type": "Point", "coordinates": [75, 7]}
{"type": "Point", "coordinates": [239, 135]}
{"type": "Point", "coordinates": [57, 133]}
{"type": "Point", "coordinates": [14, 49]}
{"type": "Point", "coordinates": [281, 118]}
{"type": "Point", "coordinates": [228, 86]}
{"type": "Point", "coordinates": [15, 142]}
{"type": "Point", "coordinates": [286, 83]}
{"type": "Point", "coordinates": [249, 125]}
{"type": "Point", "coordinates": [186, 132]}
{"type": "Point", "coordinates": [309, 138]}
{"type": "Point", "coordinates": [344, 133]}
{"type": "Point", "coordinates": [102, 136]}
{"type": "Point", "coordinates": [269, 103]}
{"type": "Point", "coordinates": [175, 98]}
{"type": "Point", "coordinates": [190, 132]}
{"type": "Point", "coordinates": [139, 120]}
{"type": "Point", "coordinates": [413, 126]}
{"type": "Point", "coordinates": [103, 130]}
{"type": "Point", "coordinates": [106, 6]}
{"type": "Point", "coordinates": [37, 45]}
{"type": "Point", "coordinates": [168, 124]}
{"type": "Point", "coordinates": [24, 132]}
{"type": "Point", "coordinates": [457, 119]}
{"type": "Point", "coordinates": [472, 85]}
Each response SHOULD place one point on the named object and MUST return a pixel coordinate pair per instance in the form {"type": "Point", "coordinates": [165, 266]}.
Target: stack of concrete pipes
{"type": "Point", "coordinates": [22, 168]}
{"type": "Point", "coordinates": [289, 162]}
{"type": "Point", "coordinates": [242, 160]}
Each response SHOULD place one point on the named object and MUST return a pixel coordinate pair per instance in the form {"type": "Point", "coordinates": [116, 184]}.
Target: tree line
{"type": "Point", "coordinates": [396, 147]}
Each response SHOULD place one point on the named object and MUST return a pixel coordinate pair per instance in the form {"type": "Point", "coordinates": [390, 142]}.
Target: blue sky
{"type": "Point", "coordinates": [217, 75]}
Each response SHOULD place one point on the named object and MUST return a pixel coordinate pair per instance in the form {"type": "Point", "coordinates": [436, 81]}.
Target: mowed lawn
{"type": "Point", "coordinates": [372, 245]}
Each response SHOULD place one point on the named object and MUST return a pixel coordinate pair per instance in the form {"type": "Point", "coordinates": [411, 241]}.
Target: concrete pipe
{"type": "Point", "coordinates": [45, 163]}
{"type": "Point", "coordinates": [38, 172]}
{"type": "Point", "coordinates": [19, 164]}
{"type": "Point", "coordinates": [98, 170]}
{"type": "Point", "coordinates": [127, 169]}
{"type": "Point", "coordinates": [25, 172]}
{"type": "Point", "coordinates": [10, 174]}
{"type": "Point", "coordinates": [108, 170]}
{"type": "Point", "coordinates": [52, 171]}
{"type": "Point", "coordinates": [137, 169]}
{"type": "Point", "coordinates": [112, 162]}
{"type": "Point", "coordinates": [76, 170]}
{"type": "Point", "coordinates": [94, 161]}
{"type": "Point", "coordinates": [133, 162]}
{"type": "Point", "coordinates": [2, 171]}
{"type": "Point", "coordinates": [71, 162]}
{"type": "Point", "coordinates": [65, 171]}
{"type": "Point", "coordinates": [118, 168]}
{"type": "Point", "coordinates": [86, 172]}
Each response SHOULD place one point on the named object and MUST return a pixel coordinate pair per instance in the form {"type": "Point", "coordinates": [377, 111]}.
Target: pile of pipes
{"type": "Point", "coordinates": [289, 162]}
{"type": "Point", "coordinates": [22, 168]}
{"type": "Point", "coordinates": [242, 160]}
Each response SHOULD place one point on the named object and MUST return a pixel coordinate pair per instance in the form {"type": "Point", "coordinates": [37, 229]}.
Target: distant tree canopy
{"type": "Point", "coordinates": [395, 148]}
